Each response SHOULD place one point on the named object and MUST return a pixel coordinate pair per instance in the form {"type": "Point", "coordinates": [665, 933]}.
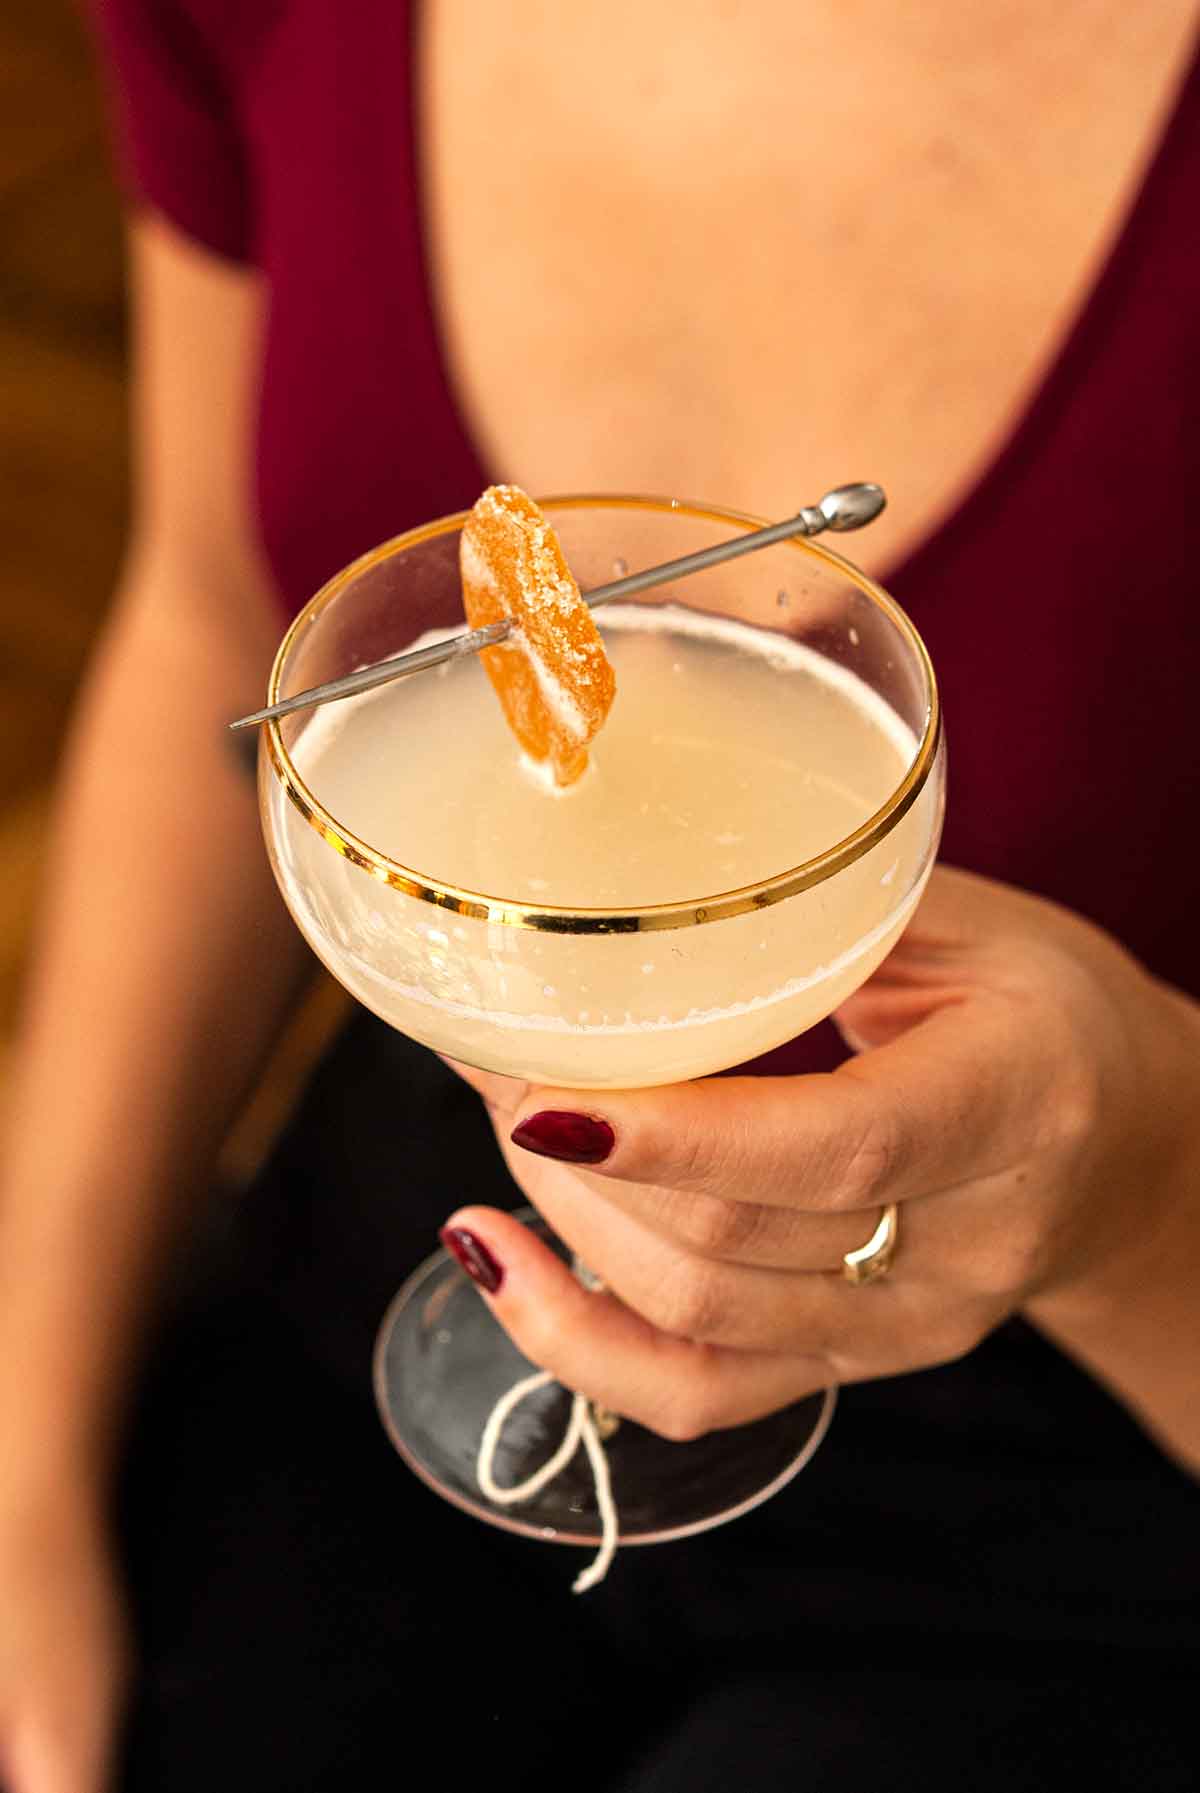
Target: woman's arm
{"type": "Point", "coordinates": [165, 961]}
{"type": "Point", "coordinates": [165, 955]}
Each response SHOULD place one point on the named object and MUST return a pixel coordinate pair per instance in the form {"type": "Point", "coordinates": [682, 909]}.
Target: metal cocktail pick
{"type": "Point", "coordinates": [846, 507]}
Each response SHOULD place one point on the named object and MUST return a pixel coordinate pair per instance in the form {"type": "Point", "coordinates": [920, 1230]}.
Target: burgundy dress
{"type": "Point", "coordinates": [988, 1576]}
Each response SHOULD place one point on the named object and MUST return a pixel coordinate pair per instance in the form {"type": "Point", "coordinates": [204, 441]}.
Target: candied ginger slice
{"type": "Point", "coordinates": [552, 675]}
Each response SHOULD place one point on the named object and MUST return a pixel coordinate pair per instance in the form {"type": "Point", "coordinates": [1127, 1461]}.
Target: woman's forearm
{"type": "Point", "coordinates": [164, 966]}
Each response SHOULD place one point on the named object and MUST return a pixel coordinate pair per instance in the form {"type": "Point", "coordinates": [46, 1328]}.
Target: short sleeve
{"type": "Point", "coordinates": [178, 144]}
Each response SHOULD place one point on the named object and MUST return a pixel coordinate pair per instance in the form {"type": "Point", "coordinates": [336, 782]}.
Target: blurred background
{"type": "Point", "coordinates": [63, 478]}
{"type": "Point", "coordinates": [62, 425]}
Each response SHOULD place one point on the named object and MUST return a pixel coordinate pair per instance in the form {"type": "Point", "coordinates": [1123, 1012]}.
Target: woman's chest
{"type": "Point", "coordinates": [677, 251]}
{"type": "Point", "coordinates": [655, 261]}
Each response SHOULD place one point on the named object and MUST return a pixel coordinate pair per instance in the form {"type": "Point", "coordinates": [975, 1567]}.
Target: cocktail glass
{"type": "Point", "coordinates": [530, 989]}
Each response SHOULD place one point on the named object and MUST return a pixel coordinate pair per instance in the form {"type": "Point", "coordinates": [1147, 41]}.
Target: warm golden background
{"type": "Point", "coordinates": [62, 434]}
{"type": "Point", "coordinates": [63, 470]}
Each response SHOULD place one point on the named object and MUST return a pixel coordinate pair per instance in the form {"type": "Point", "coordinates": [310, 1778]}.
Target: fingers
{"type": "Point", "coordinates": [944, 1102]}
{"type": "Point", "coordinates": [585, 1209]}
{"type": "Point", "coordinates": [596, 1345]}
{"type": "Point", "coordinates": [745, 1308]}
{"type": "Point", "coordinates": [682, 1387]}
{"type": "Point", "coordinates": [718, 1212]}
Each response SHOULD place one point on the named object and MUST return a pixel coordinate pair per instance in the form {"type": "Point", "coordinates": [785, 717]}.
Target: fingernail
{"type": "Point", "coordinates": [575, 1138]}
{"type": "Point", "coordinates": [474, 1256]}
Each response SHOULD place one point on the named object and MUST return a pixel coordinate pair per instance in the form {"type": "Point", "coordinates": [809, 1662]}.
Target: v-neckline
{"type": "Point", "coordinates": [981, 490]}
{"type": "Point", "coordinates": [1090, 318]}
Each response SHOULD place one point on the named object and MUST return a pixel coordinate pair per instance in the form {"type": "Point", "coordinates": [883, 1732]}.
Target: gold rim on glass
{"type": "Point", "coordinates": [552, 918]}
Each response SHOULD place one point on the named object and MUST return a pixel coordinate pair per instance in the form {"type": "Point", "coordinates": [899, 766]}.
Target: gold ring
{"type": "Point", "coordinates": [874, 1259]}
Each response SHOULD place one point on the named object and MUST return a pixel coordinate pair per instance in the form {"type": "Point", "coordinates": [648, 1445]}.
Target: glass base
{"type": "Point", "coordinates": [441, 1364]}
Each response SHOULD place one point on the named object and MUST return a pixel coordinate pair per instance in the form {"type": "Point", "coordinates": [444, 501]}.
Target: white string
{"type": "Point", "coordinates": [581, 1427]}
{"type": "Point", "coordinates": [498, 1419]}
{"type": "Point", "coordinates": [598, 1458]}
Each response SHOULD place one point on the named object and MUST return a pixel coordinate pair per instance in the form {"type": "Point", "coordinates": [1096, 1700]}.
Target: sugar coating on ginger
{"type": "Point", "coordinates": [552, 675]}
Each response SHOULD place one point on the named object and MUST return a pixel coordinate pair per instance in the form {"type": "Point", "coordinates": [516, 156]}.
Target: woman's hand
{"type": "Point", "coordinates": [64, 1650]}
{"type": "Point", "coordinates": [1024, 1091]}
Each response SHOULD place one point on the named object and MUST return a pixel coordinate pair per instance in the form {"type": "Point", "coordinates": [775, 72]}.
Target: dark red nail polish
{"type": "Point", "coordinates": [575, 1138]}
{"type": "Point", "coordinates": [474, 1256]}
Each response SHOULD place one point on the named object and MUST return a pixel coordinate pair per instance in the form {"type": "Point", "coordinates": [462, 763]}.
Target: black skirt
{"type": "Point", "coordinates": [987, 1577]}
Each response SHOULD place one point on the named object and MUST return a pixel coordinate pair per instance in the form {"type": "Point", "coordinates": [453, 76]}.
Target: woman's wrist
{"type": "Point", "coordinates": [1158, 1161]}
{"type": "Point", "coordinates": [1133, 1318]}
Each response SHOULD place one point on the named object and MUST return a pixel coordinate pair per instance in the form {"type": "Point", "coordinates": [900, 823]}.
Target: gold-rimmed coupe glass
{"type": "Point", "coordinates": [522, 981]}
